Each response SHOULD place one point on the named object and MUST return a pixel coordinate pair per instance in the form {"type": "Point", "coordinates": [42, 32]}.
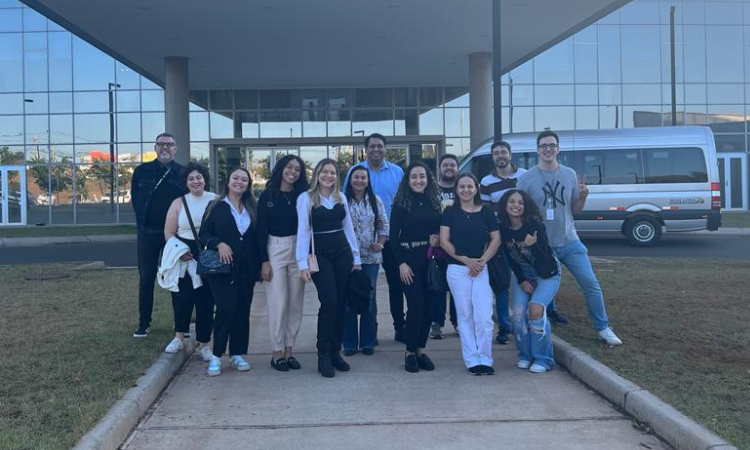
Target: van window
{"type": "Point", "coordinates": [675, 165]}
{"type": "Point", "coordinates": [613, 166]}
{"type": "Point", "coordinates": [479, 165]}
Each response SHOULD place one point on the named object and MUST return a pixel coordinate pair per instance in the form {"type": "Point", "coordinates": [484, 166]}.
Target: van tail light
{"type": "Point", "coordinates": [715, 196]}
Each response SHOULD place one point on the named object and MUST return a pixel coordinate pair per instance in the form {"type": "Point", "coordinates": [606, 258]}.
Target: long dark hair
{"type": "Point", "coordinates": [273, 185]}
{"type": "Point", "coordinates": [531, 214]}
{"type": "Point", "coordinates": [405, 194]}
{"type": "Point", "coordinates": [247, 199]}
{"type": "Point", "coordinates": [369, 194]}
{"type": "Point", "coordinates": [477, 195]}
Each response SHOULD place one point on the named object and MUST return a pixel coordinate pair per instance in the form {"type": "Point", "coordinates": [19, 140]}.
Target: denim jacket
{"type": "Point", "coordinates": [145, 178]}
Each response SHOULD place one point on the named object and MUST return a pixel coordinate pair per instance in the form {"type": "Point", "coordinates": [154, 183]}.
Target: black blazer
{"type": "Point", "coordinates": [219, 226]}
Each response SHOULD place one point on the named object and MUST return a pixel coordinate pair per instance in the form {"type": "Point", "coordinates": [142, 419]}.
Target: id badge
{"type": "Point", "coordinates": [550, 214]}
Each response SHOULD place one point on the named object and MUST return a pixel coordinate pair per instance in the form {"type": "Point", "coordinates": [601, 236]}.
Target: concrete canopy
{"type": "Point", "coordinates": [327, 43]}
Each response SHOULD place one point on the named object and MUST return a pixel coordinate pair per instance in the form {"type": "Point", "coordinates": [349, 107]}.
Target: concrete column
{"type": "Point", "coordinates": [480, 97]}
{"type": "Point", "coordinates": [177, 105]}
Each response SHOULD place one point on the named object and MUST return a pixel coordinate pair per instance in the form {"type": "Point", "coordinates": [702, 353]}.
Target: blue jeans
{"type": "Point", "coordinates": [534, 337]}
{"type": "Point", "coordinates": [575, 256]}
{"type": "Point", "coordinates": [364, 337]}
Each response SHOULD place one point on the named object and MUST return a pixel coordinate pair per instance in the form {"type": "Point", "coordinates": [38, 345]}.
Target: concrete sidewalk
{"type": "Point", "coordinates": [379, 405]}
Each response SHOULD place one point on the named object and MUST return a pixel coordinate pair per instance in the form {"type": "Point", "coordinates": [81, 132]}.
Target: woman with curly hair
{"type": "Point", "coordinates": [415, 223]}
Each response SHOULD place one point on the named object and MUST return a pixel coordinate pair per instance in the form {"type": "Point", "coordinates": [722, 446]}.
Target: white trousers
{"type": "Point", "coordinates": [284, 293]}
{"type": "Point", "coordinates": [473, 297]}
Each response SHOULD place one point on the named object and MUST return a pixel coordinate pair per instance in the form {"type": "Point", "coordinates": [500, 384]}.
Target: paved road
{"type": "Point", "coordinates": [688, 246]}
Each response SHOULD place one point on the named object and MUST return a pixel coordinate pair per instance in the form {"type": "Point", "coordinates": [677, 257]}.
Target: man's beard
{"type": "Point", "coordinates": [448, 179]}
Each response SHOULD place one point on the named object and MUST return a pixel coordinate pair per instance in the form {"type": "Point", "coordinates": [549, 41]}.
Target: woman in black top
{"type": "Point", "coordinates": [415, 221]}
{"type": "Point", "coordinates": [538, 278]}
{"type": "Point", "coordinates": [229, 227]}
{"type": "Point", "coordinates": [469, 235]}
{"type": "Point", "coordinates": [277, 241]}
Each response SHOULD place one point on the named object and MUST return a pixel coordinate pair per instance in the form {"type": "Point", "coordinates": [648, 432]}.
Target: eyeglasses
{"type": "Point", "coordinates": [165, 144]}
{"type": "Point", "coordinates": [547, 146]}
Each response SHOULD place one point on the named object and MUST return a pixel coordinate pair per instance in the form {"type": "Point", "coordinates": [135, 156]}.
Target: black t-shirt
{"type": "Point", "coordinates": [447, 197]}
{"type": "Point", "coordinates": [470, 231]}
{"type": "Point", "coordinates": [538, 257]}
{"type": "Point", "coordinates": [412, 226]}
{"type": "Point", "coordinates": [277, 216]}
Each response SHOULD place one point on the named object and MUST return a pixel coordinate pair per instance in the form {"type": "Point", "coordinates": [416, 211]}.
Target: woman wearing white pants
{"type": "Point", "coordinates": [469, 234]}
{"type": "Point", "coordinates": [277, 241]}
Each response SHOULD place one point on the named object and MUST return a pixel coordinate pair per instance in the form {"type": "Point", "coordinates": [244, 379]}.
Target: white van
{"type": "Point", "coordinates": [642, 181]}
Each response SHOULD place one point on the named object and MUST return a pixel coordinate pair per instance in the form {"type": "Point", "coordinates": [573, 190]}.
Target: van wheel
{"type": "Point", "coordinates": [642, 231]}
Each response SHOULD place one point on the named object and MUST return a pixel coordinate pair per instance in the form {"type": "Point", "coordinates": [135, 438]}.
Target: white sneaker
{"type": "Point", "coordinates": [537, 368]}
{"type": "Point", "coordinates": [238, 363]}
{"type": "Point", "coordinates": [206, 353]}
{"type": "Point", "coordinates": [523, 364]}
{"type": "Point", "coordinates": [214, 366]}
{"type": "Point", "coordinates": [609, 336]}
{"type": "Point", "coordinates": [174, 346]}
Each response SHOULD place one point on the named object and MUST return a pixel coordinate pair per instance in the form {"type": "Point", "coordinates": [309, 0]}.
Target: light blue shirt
{"type": "Point", "coordinates": [384, 182]}
{"type": "Point", "coordinates": [242, 219]}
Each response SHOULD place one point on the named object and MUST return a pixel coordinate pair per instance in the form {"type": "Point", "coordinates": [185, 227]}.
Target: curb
{"type": "Point", "coordinates": [124, 415]}
{"type": "Point", "coordinates": [55, 240]}
{"type": "Point", "coordinates": [678, 430]}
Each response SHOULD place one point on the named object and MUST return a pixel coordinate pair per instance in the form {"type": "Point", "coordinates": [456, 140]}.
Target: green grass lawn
{"type": "Point", "coordinates": [685, 332]}
{"type": "Point", "coordinates": [68, 351]}
{"type": "Point", "coordinates": [735, 219]}
{"type": "Point", "coordinates": [52, 231]}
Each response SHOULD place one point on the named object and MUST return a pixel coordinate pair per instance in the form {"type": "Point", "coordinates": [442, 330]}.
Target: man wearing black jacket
{"type": "Point", "coordinates": [155, 185]}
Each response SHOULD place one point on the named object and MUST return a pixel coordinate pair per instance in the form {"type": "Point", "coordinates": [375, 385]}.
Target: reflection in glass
{"type": "Point", "coordinates": [33, 21]}
{"type": "Point", "coordinates": [35, 103]}
{"type": "Point", "coordinates": [92, 69]}
{"type": "Point", "coordinates": [555, 65]}
{"type": "Point", "coordinates": [37, 186]}
{"type": "Point", "coordinates": [609, 54]}
{"type": "Point", "coordinates": [724, 13]}
{"type": "Point", "coordinates": [407, 122]}
{"type": "Point", "coordinates": [152, 124]}
{"type": "Point", "coordinates": [376, 121]}
{"type": "Point", "coordinates": [11, 155]}
{"type": "Point", "coordinates": [61, 102]}
{"type": "Point", "coordinates": [199, 126]}
{"type": "Point", "coordinates": [126, 77]}
{"type": "Point", "coordinates": [585, 59]}
{"type": "Point", "coordinates": [726, 118]}
{"type": "Point", "coordinates": [639, 94]}
{"type": "Point", "coordinates": [339, 122]}
{"type": "Point", "coordinates": [457, 96]}
{"type": "Point", "coordinates": [726, 93]}
{"type": "Point", "coordinates": [198, 100]}
{"type": "Point", "coordinates": [98, 183]}
{"type": "Point", "coordinates": [60, 62]}
{"type": "Point", "coordinates": [554, 117]}
{"type": "Point", "coordinates": [126, 213]}
{"type": "Point", "coordinates": [587, 117]}
{"type": "Point", "coordinates": [37, 128]}
{"type": "Point", "coordinates": [406, 96]}
{"type": "Point", "coordinates": [557, 95]}
{"type": "Point", "coordinates": [221, 99]}
{"type": "Point", "coordinates": [308, 98]}
{"type": "Point", "coordinates": [729, 142]}
{"type": "Point", "coordinates": [246, 99]}
{"type": "Point", "coordinates": [695, 52]}
{"type": "Point", "coordinates": [129, 127]}
{"type": "Point", "coordinates": [61, 182]}
{"type": "Point", "coordinates": [11, 62]}
{"type": "Point", "coordinates": [640, 13]}
{"type": "Point", "coordinates": [586, 94]}
{"type": "Point", "coordinates": [523, 73]}
{"type": "Point", "coordinates": [723, 44]}
{"type": "Point", "coordinates": [129, 153]}
{"type": "Point", "coordinates": [10, 20]}
{"type": "Point", "coordinates": [457, 122]}
{"type": "Point", "coordinates": [523, 95]}
{"type": "Point", "coordinates": [641, 116]}
{"type": "Point", "coordinates": [458, 146]}
{"type": "Point", "coordinates": [85, 102]}
{"type": "Point", "coordinates": [11, 104]}
{"type": "Point", "coordinates": [249, 124]}
{"type": "Point", "coordinates": [279, 124]}
{"type": "Point", "coordinates": [60, 153]}
{"type": "Point", "coordinates": [523, 119]}
{"type": "Point", "coordinates": [128, 100]}
{"type": "Point", "coordinates": [339, 98]}
{"type": "Point", "coordinates": [373, 97]}
{"type": "Point", "coordinates": [152, 100]}
{"type": "Point", "coordinates": [641, 54]}
{"type": "Point", "coordinates": [35, 62]}
{"type": "Point", "coordinates": [61, 128]}
{"type": "Point", "coordinates": [91, 127]}
{"type": "Point", "coordinates": [431, 121]}
{"type": "Point", "coordinates": [610, 117]}
{"type": "Point", "coordinates": [314, 123]}
{"type": "Point", "coordinates": [11, 129]}
{"type": "Point", "coordinates": [431, 96]}
{"type": "Point", "coordinates": [199, 152]}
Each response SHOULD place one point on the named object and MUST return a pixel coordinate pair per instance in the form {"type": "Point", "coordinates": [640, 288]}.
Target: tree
{"type": "Point", "coordinates": [9, 157]}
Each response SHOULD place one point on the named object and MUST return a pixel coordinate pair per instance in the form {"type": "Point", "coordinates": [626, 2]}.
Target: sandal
{"type": "Point", "coordinates": [292, 363]}
{"type": "Point", "coordinates": [280, 364]}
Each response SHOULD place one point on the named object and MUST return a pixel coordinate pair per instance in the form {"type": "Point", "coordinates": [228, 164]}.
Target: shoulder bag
{"type": "Point", "coordinates": [208, 261]}
{"type": "Point", "coordinates": [312, 260]}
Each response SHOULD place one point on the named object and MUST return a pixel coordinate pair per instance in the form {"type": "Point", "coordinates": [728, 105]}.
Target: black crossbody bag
{"type": "Point", "coordinates": [208, 261]}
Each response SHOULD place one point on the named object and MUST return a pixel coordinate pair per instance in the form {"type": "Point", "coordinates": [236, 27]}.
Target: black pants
{"type": "Point", "coordinates": [395, 291]}
{"type": "Point", "coordinates": [150, 243]}
{"type": "Point", "coordinates": [182, 304]}
{"type": "Point", "coordinates": [332, 282]}
{"type": "Point", "coordinates": [233, 295]}
{"type": "Point", "coordinates": [418, 299]}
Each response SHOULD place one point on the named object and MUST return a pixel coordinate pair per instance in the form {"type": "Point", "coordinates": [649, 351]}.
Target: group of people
{"type": "Point", "coordinates": [451, 240]}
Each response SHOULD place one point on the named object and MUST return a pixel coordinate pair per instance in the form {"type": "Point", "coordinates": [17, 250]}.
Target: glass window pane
{"type": "Point", "coordinates": [406, 96]}
{"type": "Point", "coordinates": [523, 95]}
{"type": "Point", "coordinates": [11, 155]}
{"type": "Point", "coordinates": [457, 122]}
{"type": "Point", "coordinates": [556, 64]}
{"type": "Point", "coordinates": [85, 102]}
{"type": "Point", "coordinates": [458, 146]}
{"type": "Point", "coordinates": [339, 98]}
{"type": "Point", "coordinates": [129, 152]}
{"type": "Point", "coordinates": [674, 165]}
{"type": "Point", "coordinates": [729, 142]}
{"type": "Point", "coordinates": [92, 69]}
{"type": "Point", "coordinates": [610, 117]}
{"type": "Point", "coordinates": [10, 20]}
{"type": "Point", "coordinates": [308, 98]}
{"type": "Point", "coordinates": [587, 118]}
{"type": "Point", "coordinates": [198, 126]}
{"type": "Point", "coordinates": [37, 153]}
{"type": "Point", "coordinates": [199, 152]}
{"type": "Point", "coordinates": [523, 73]}
{"type": "Point", "coordinates": [407, 122]}
{"type": "Point", "coordinates": [11, 130]}
{"type": "Point", "coordinates": [33, 21]}
{"type": "Point", "coordinates": [61, 129]}
{"type": "Point", "coordinates": [61, 153]}
{"type": "Point", "coordinates": [556, 118]}
{"type": "Point", "coordinates": [246, 99]}
{"type": "Point", "coordinates": [125, 178]}
{"type": "Point", "coordinates": [726, 93]}
{"type": "Point", "coordinates": [60, 62]}
{"type": "Point", "coordinates": [378, 121]}
{"type": "Point", "coordinates": [723, 46]}
{"type": "Point", "coordinates": [280, 123]}
{"type": "Point", "coordinates": [198, 100]}
{"type": "Point", "coordinates": [61, 182]}
{"type": "Point", "coordinates": [640, 13]}
{"type": "Point", "coordinates": [431, 121]}
{"type": "Point", "coordinates": [276, 99]}
{"type": "Point", "coordinates": [726, 118]}
{"type": "Point", "coordinates": [99, 185]}
{"type": "Point", "coordinates": [695, 94]}
{"type": "Point", "coordinates": [37, 129]}
{"type": "Point", "coordinates": [35, 61]}
{"type": "Point", "coordinates": [431, 96]}
{"type": "Point", "coordinates": [11, 65]}
{"type": "Point", "coordinates": [221, 99]}
{"type": "Point", "coordinates": [129, 127]}
{"type": "Point", "coordinates": [641, 54]}
{"type": "Point", "coordinates": [61, 102]}
{"type": "Point", "coordinates": [457, 96]}
{"type": "Point", "coordinates": [586, 60]}
{"type": "Point", "coordinates": [91, 128]}
{"type": "Point", "coordinates": [695, 53]}
{"type": "Point", "coordinates": [128, 101]}
{"type": "Point", "coordinates": [694, 12]}
{"type": "Point", "coordinates": [339, 122]}
{"type": "Point", "coordinates": [127, 78]}
{"type": "Point", "coordinates": [609, 54]}
{"type": "Point", "coordinates": [314, 123]}
{"type": "Point", "coordinates": [638, 94]}
{"type": "Point", "coordinates": [152, 124]}
{"type": "Point", "coordinates": [561, 94]}
{"type": "Point", "coordinates": [222, 125]}
{"type": "Point", "coordinates": [373, 97]}
{"type": "Point", "coordinates": [666, 94]}
{"type": "Point", "coordinates": [522, 119]}
{"type": "Point", "coordinates": [11, 103]}
{"type": "Point", "coordinates": [152, 100]}
{"type": "Point", "coordinates": [37, 208]}
{"type": "Point", "coordinates": [586, 94]}
{"type": "Point", "coordinates": [249, 123]}
{"type": "Point", "coordinates": [641, 116]}
{"type": "Point", "coordinates": [724, 13]}
{"type": "Point", "coordinates": [148, 84]}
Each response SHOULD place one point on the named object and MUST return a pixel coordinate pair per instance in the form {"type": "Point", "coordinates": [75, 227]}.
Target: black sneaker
{"type": "Point", "coordinates": [487, 370]}
{"type": "Point", "coordinates": [557, 318]}
{"type": "Point", "coordinates": [476, 370]}
{"type": "Point", "coordinates": [141, 332]}
{"type": "Point", "coordinates": [425, 363]}
{"type": "Point", "coordinates": [411, 364]}
{"type": "Point", "coordinates": [503, 337]}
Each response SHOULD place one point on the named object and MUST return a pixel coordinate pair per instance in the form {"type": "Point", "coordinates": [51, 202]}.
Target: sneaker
{"type": "Point", "coordinates": [557, 318]}
{"type": "Point", "coordinates": [141, 332]}
{"type": "Point", "coordinates": [609, 336]}
{"type": "Point", "coordinates": [487, 370]}
{"type": "Point", "coordinates": [368, 351]}
{"type": "Point", "coordinates": [537, 368]}
{"type": "Point", "coordinates": [239, 363]}
{"type": "Point", "coordinates": [476, 370]}
{"type": "Point", "coordinates": [523, 364]}
{"type": "Point", "coordinates": [206, 353]}
{"type": "Point", "coordinates": [349, 352]}
{"type": "Point", "coordinates": [503, 337]}
{"type": "Point", "coordinates": [174, 346]}
{"type": "Point", "coordinates": [435, 331]}
{"type": "Point", "coordinates": [214, 366]}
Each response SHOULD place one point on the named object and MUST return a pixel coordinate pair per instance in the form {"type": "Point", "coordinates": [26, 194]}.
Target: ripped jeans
{"type": "Point", "coordinates": [534, 337]}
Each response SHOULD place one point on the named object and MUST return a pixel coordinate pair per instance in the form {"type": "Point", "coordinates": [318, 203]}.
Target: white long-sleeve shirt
{"type": "Point", "coordinates": [303, 227]}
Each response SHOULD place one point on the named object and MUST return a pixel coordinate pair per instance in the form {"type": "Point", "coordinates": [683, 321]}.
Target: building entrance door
{"type": "Point", "coordinates": [12, 195]}
{"type": "Point", "coordinates": [733, 177]}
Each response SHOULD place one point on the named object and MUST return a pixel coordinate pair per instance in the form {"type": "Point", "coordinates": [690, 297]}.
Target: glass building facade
{"type": "Point", "coordinates": [78, 122]}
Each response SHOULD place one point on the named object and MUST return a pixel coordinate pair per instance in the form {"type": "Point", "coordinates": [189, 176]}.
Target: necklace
{"type": "Point", "coordinates": [288, 202]}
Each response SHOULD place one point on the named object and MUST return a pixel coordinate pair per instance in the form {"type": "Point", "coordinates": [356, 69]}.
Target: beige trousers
{"type": "Point", "coordinates": [284, 293]}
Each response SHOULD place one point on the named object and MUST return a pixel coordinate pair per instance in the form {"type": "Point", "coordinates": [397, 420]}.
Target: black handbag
{"type": "Point", "coordinates": [208, 261]}
{"type": "Point", "coordinates": [499, 272]}
{"type": "Point", "coordinates": [436, 273]}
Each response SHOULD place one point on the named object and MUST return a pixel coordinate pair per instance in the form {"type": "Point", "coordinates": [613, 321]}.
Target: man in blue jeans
{"type": "Point", "coordinates": [559, 193]}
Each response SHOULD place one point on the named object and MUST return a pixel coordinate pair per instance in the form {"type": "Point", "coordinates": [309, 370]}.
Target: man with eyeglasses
{"type": "Point", "coordinates": [155, 185]}
{"type": "Point", "coordinates": [559, 193]}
